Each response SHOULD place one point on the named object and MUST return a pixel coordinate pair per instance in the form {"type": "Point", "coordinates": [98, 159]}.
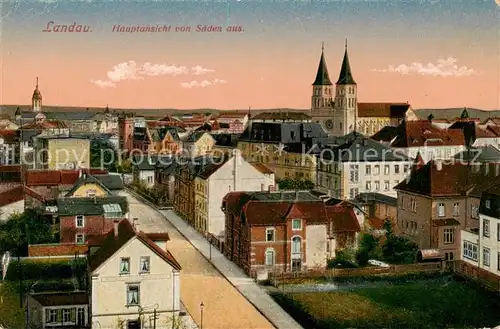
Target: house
{"type": "Point", "coordinates": [337, 108]}
{"type": "Point", "coordinates": [61, 152]}
{"type": "Point", "coordinates": [58, 310]}
{"type": "Point", "coordinates": [83, 218]}
{"type": "Point", "coordinates": [481, 247]}
{"type": "Point", "coordinates": [225, 143]}
{"type": "Point", "coordinates": [165, 177]}
{"type": "Point", "coordinates": [475, 135]}
{"type": "Point", "coordinates": [287, 146]}
{"type": "Point", "coordinates": [214, 181]}
{"type": "Point", "coordinates": [143, 167]}
{"type": "Point", "coordinates": [95, 186]}
{"type": "Point", "coordinates": [378, 208]}
{"type": "Point", "coordinates": [440, 199]}
{"type": "Point", "coordinates": [285, 231]}
{"type": "Point", "coordinates": [11, 199]}
{"type": "Point", "coordinates": [232, 122]}
{"type": "Point", "coordinates": [8, 141]}
{"type": "Point", "coordinates": [451, 114]}
{"type": "Point", "coordinates": [360, 165]}
{"type": "Point", "coordinates": [142, 277]}
{"type": "Point", "coordinates": [197, 143]}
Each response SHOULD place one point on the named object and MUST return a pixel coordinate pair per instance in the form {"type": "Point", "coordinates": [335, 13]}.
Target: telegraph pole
{"type": "Point", "coordinates": [154, 319]}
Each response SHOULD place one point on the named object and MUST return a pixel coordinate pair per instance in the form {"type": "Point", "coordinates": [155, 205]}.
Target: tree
{"type": "Point", "coordinates": [103, 155]}
{"type": "Point", "coordinates": [397, 249]}
{"type": "Point", "coordinates": [21, 229]}
{"type": "Point", "coordinates": [295, 184]}
{"type": "Point", "coordinates": [125, 167]}
{"type": "Point", "coordinates": [178, 322]}
{"type": "Point", "coordinates": [369, 248]}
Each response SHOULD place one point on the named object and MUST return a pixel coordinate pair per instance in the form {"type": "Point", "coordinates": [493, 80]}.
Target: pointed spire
{"type": "Point", "coordinates": [36, 82]}
{"type": "Point", "coordinates": [419, 161]}
{"type": "Point", "coordinates": [345, 76]}
{"type": "Point", "coordinates": [322, 77]}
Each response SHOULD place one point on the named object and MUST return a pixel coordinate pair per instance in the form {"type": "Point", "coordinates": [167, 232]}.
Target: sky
{"type": "Point", "coordinates": [432, 54]}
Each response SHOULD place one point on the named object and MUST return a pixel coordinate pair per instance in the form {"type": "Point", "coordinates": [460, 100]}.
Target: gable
{"type": "Point", "coordinates": [206, 139]}
{"type": "Point", "coordinates": [133, 249]}
{"type": "Point", "coordinates": [89, 190]}
{"type": "Point", "coordinates": [245, 169]}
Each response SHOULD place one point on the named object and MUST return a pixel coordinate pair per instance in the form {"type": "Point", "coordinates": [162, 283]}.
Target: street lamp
{"type": "Point", "coordinates": [201, 313]}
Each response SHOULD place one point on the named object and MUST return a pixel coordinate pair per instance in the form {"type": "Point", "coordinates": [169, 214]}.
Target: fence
{"type": "Point", "coordinates": [277, 278]}
{"type": "Point", "coordinates": [472, 272]}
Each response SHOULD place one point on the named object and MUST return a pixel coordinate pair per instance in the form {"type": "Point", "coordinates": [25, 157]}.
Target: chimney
{"type": "Point", "coordinates": [80, 173]}
{"type": "Point", "coordinates": [262, 187]}
{"type": "Point", "coordinates": [115, 228]}
{"type": "Point", "coordinates": [439, 165]}
{"type": "Point", "coordinates": [297, 195]}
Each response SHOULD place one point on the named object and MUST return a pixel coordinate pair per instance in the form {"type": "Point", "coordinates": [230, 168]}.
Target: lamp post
{"type": "Point", "coordinates": [201, 313]}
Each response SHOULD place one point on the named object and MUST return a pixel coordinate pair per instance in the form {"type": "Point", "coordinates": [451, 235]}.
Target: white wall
{"type": "Point", "coordinates": [161, 286]}
{"type": "Point", "coordinates": [492, 243]}
{"type": "Point", "coordinates": [432, 152]}
{"type": "Point", "coordinates": [7, 210]}
{"type": "Point", "coordinates": [148, 177]}
{"type": "Point", "coordinates": [245, 178]}
{"type": "Point", "coordinates": [316, 252]}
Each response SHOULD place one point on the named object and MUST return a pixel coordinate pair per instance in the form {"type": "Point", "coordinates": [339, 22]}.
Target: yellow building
{"type": "Point", "coordinates": [61, 152]}
{"type": "Point", "coordinates": [88, 187]}
{"type": "Point", "coordinates": [198, 143]}
{"type": "Point", "coordinates": [288, 148]}
{"type": "Point", "coordinates": [201, 204]}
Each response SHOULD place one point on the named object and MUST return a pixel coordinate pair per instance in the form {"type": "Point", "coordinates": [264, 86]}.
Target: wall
{"type": "Point", "coordinates": [148, 177]}
{"type": "Point", "coordinates": [7, 210]}
{"type": "Point", "coordinates": [422, 217]}
{"type": "Point", "coordinates": [94, 225]}
{"type": "Point", "coordinates": [492, 243]}
{"type": "Point", "coordinates": [161, 286]}
{"type": "Point", "coordinates": [316, 252]}
{"type": "Point", "coordinates": [68, 153]}
{"type": "Point", "coordinates": [83, 191]}
{"type": "Point", "coordinates": [469, 237]}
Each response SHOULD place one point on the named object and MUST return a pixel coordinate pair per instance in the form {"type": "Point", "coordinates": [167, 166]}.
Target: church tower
{"type": "Point", "coordinates": [346, 101]}
{"type": "Point", "coordinates": [36, 100]}
{"type": "Point", "coordinates": [322, 95]}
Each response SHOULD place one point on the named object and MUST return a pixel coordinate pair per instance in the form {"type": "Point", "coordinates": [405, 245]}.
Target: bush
{"type": "Point", "coordinates": [343, 259]}
{"type": "Point", "coordinates": [39, 270]}
{"type": "Point", "coordinates": [362, 257]}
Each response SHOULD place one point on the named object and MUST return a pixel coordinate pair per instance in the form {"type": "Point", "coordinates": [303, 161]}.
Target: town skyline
{"type": "Point", "coordinates": [450, 61]}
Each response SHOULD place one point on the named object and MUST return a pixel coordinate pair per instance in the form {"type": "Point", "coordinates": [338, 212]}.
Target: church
{"type": "Point", "coordinates": [338, 110]}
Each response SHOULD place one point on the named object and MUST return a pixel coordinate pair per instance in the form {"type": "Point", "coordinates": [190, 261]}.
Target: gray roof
{"type": "Point", "coordinates": [88, 206]}
{"type": "Point", "coordinates": [362, 149]}
{"type": "Point", "coordinates": [488, 153]}
{"type": "Point", "coordinates": [112, 182]}
{"type": "Point", "coordinates": [63, 116]}
{"type": "Point", "coordinates": [283, 132]}
{"type": "Point", "coordinates": [284, 196]}
{"type": "Point", "coordinates": [454, 113]}
{"type": "Point", "coordinates": [363, 198]}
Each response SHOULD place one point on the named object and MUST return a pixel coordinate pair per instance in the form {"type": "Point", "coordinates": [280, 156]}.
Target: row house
{"type": "Point", "coordinates": [438, 200]}
{"type": "Point", "coordinates": [424, 137]}
{"type": "Point", "coordinates": [481, 247]}
{"type": "Point", "coordinates": [285, 231]}
{"type": "Point", "coordinates": [214, 181]}
{"type": "Point", "coordinates": [287, 147]}
{"type": "Point", "coordinates": [141, 274]}
{"type": "Point", "coordinates": [360, 165]}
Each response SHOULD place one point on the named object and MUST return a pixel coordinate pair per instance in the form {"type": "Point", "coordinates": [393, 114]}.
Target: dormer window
{"type": "Point", "coordinates": [487, 204]}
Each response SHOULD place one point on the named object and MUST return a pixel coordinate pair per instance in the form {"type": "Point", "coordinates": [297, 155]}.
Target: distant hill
{"type": "Point", "coordinates": [7, 111]}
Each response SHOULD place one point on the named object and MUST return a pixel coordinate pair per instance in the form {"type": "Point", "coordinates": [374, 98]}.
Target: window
{"type": "Point", "coordinates": [441, 210]}
{"type": "Point", "coordinates": [474, 211]}
{"type": "Point", "coordinates": [456, 209]}
{"type": "Point", "coordinates": [353, 193]}
{"type": "Point", "coordinates": [387, 170]}
{"type": "Point", "coordinates": [402, 203]}
{"type": "Point", "coordinates": [150, 179]}
{"type": "Point", "coordinates": [498, 231]}
{"type": "Point", "coordinates": [470, 250]}
{"type": "Point", "coordinates": [377, 186]}
{"type": "Point", "coordinates": [80, 221]}
{"type": "Point", "coordinates": [296, 225]}
{"type": "Point", "coordinates": [144, 264]}
{"type": "Point", "coordinates": [486, 256]}
{"type": "Point", "coordinates": [296, 245]}
{"type": "Point", "coordinates": [386, 185]}
{"type": "Point", "coordinates": [368, 170]}
{"type": "Point", "coordinates": [68, 314]}
{"type": "Point", "coordinates": [413, 205]}
{"type": "Point", "coordinates": [396, 169]}
{"type": "Point", "coordinates": [133, 295]}
{"type": "Point", "coordinates": [52, 316]}
{"type": "Point", "coordinates": [79, 238]}
{"type": "Point", "coordinates": [406, 167]}
{"type": "Point", "coordinates": [377, 170]}
{"type": "Point", "coordinates": [486, 228]}
{"type": "Point", "coordinates": [354, 173]}
{"type": "Point", "coordinates": [125, 266]}
{"type": "Point", "coordinates": [449, 235]}
{"type": "Point", "coordinates": [269, 234]}
{"type": "Point", "coordinates": [368, 186]}
{"type": "Point", "coordinates": [487, 204]}
{"type": "Point", "coordinates": [270, 256]}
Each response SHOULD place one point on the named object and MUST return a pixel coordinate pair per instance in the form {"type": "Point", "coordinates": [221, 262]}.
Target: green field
{"type": "Point", "coordinates": [432, 304]}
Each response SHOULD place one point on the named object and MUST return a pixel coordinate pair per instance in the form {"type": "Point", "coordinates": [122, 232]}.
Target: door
{"type": "Point", "coordinates": [134, 324]}
{"type": "Point", "coordinates": [296, 265]}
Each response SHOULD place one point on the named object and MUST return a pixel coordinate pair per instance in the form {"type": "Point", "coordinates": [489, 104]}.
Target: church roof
{"type": "Point", "coordinates": [322, 77]}
{"type": "Point", "coordinates": [345, 76]}
{"type": "Point", "coordinates": [36, 92]}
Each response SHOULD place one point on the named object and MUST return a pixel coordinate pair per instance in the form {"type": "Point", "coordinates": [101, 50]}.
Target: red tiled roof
{"type": "Point", "coordinates": [10, 168]}
{"type": "Point", "coordinates": [232, 115]}
{"type": "Point", "coordinates": [8, 135]}
{"type": "Point", "coordinates": [375, 223]}
{"type": "Point", "coordinates": [125, 233]}
{"type": "Point", "coordinates": [57, 177]}
{"type": "Point", "coordinates": [34, 194]}
{"type": "Point", "coordinates": [383, 110]}
{"type": "Point", "coordinates": [57, 249]}
{"type": "Point", "coordinates": [54, 124]}
{"type": "Point", "coordinates": [343, 217]}
{"type": "Point", "coordinates": [263, 168]}
{"type": "Point", "coordinates": [10, 193]}
{"type": "Point", "coordinates": [424, 133]}
{"type": "Point", "coordinates": [158, 236]}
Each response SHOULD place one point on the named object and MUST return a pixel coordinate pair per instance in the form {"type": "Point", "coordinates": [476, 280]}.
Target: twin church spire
{"type": "Point", "coordinates": [345, 76]}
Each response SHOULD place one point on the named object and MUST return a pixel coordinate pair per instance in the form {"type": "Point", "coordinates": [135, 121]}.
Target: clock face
{"type": "Point", "coordinates": [329, 124]}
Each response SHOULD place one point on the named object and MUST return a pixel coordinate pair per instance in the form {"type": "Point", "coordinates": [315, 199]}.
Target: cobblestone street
{"type": "Point", "coordinates": [224, 306]}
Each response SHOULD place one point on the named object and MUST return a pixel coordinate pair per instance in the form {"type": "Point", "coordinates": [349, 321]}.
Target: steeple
{"type": "Point", "coordinates": [345, 76]}
{"type": "Point", "coordinates": [322, 77]}
{"type": "Point", "coordinates": [36, 99]}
